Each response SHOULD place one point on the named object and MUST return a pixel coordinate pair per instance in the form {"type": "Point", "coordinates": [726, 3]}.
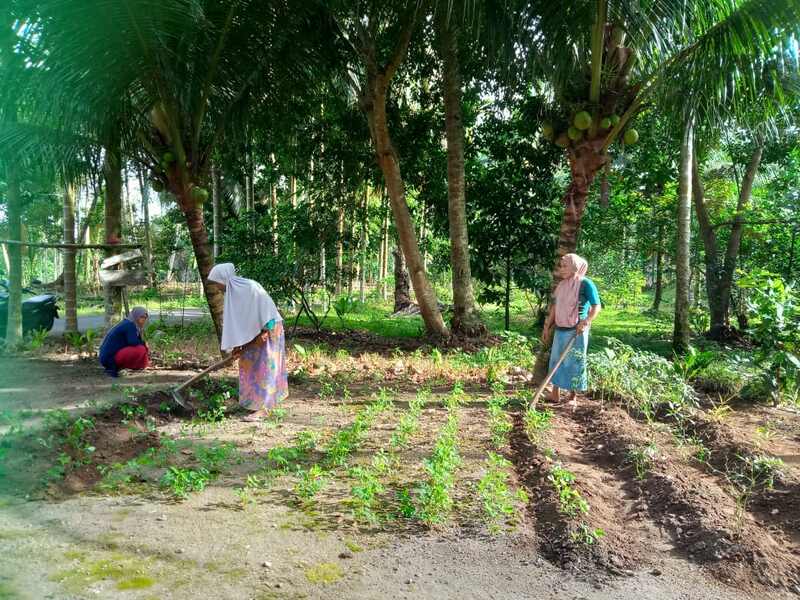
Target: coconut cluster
{"type": "Point", "coordinates": [581, 123]}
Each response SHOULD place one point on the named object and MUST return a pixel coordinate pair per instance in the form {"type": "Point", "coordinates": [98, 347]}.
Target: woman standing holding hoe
{"type": "Point", "coordinates": [576, 304]}
{"type": "Point", "coordinates": [252, 329]}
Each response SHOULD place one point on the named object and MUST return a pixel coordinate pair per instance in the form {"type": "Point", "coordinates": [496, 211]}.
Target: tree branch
{"type": "Point", "coordinates": [410, 23]}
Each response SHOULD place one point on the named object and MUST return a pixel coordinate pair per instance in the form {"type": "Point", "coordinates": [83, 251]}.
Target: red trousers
{"type": "Point", "coordinates": [132, 357]}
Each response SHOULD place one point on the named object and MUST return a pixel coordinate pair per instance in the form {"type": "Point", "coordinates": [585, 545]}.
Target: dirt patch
{"type": "Point", "coordinates": [126, 430]}
{"type": "Point", "coordinates": [697, 511]}
{"type": "Point", "coordinates": [552, 528]}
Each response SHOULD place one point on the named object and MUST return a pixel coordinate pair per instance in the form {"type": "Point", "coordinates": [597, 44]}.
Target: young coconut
{"type": "Point", "coordinates": [605, 123]}
{"type": "Point", "coordinates": [631, 136]}
{"type": "Point", "coordinates": [547, 131]}
{"type": "Point", "coordinates": [574, 134]}
{"type": "Point", "coordinates": [168, 157]}
{"type": "Point", "coordinates": [199, 194]}
{"type": "Point", "coordinates": [562, 140]}
{"type": "Point", "coordinates": [157, 185]}
{"type": "Point", "coordinates": [614, 120]}
{"type": "Point", "coordinates": [582, 120]}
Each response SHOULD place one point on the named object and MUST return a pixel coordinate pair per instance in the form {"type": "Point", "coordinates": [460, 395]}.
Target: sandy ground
{"type": "Point", "coordinates": [95, 546]}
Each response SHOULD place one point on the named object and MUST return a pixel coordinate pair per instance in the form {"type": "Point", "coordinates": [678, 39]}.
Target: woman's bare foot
{"type": "Point", "coordinates": [256, 416]}
{"type": "Point", "coordinates": [555, 395]}
{"type": "Point", "coordinates": [572, 399]}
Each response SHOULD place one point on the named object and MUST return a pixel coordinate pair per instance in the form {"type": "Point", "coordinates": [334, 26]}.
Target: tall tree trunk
{"type": "Point", "coordinates": [148, 243]}
{"type": "Point", "coordinates": [680, 336]}
{"type": "Point", "coordinates": [390, 166]}
{"type": "Point", "coordinates": [215, 207]}
{"type": "Point", "coordinates": [737, 229]}
{"type": "Point", "coordinates": [385, 255]}
{"type": "Point", "coordinates": [790, 265]}
{"type": "Point", "coordinates": [717, 308]}
{"type": "Point", "coordinates": [720, 274]}
{"type": "Point", "coordinates": [585, 160]}
{"type": "Point", "coordinates": [363, 242]}
{"type": "Point", "coordinates": [14, 207]}
{"type": "Point", "coordinates": [465, 320]}
{"type": "Point", "coordinates": [339, 248]}
{"type": "Point", "coordinates": [70, 284]}
{"type": "Point", "coordinates": [112, 172]}
{"type": "Point", "coordinates": [402, 293]}
{"type": "Point", "coordinates": [373, 103]}
{"type": "Point", "coordinates": [193, 214]}
{"type": "Point", "coordinates": [659, 285]}
{"type": "Point", "coordinates": [507, 300]}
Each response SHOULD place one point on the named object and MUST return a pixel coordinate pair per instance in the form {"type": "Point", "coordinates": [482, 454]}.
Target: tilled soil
{"type": "Point", "coordinates": [679, 507]}
{"type": "Point", "coordinates": [673, 534]}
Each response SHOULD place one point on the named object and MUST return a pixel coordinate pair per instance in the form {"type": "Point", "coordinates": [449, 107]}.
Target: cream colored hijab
{"type": "Point", "coordinates": [248, 307]}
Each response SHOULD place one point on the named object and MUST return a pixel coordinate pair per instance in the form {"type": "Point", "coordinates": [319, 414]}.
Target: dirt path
{"type": "Point", "coordinates": [212, 546]}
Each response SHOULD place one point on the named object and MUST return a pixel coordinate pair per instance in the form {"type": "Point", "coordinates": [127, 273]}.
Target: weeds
{"type": "Point", "coordinates": [409, 421]}
{"type": "Point", "coordinates": [311, 481]}
{"type": "Point", "coordinates": [537, 422]}
{"type": "Point", "coordinates": [499, 502]}
{"type": "Point", "coordinates": [434, 499]}
{"type": "Point", "coordinates": [181, 481]}
{"type": "Point", "coordinates": [570, 501]}
{"type": "Point", "coordinates": [499, 420]}
{"type": "Point", "coordinates": [641, 458]}
{"type": "Point", "coordinates": [586, 535]}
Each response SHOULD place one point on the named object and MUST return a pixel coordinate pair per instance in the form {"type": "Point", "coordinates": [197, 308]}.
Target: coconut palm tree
{"type": "Point", "coordinates": [170, 79]}
{"type": "Point", "coordinates": [378, 36]}
{"type": "Point", "coordinates": [605, 60]}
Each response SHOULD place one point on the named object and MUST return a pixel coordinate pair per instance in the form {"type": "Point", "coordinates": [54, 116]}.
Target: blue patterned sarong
{"type": "Point", "coordinates": [571, 375]}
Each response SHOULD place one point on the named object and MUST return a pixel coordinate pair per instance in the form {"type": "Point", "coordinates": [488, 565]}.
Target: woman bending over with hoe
{"type": "Point", "coordinates": [252, 329]}
{"type": "Point", "coordinates": [576, 304]}
{"type": "Point", "coordinates": [123, 347]}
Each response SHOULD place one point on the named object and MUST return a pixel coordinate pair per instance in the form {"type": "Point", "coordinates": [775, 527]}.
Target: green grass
{"type": "Point", "coordinates": [633, 326]}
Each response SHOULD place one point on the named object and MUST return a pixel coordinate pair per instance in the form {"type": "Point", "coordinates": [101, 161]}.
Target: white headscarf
{"type": "Point", "coordinates": [248, 307]}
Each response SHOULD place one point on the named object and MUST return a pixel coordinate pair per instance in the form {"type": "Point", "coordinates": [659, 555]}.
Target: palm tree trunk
{"type": "Point", "coordinates": [465, 321]}
{"type": "Point", "coordinates": [507, 301]}
{"type": "Point", "coordinates": [390, 166]}
{"type": "Point", "coordinates": [70, 291]}
{"type": "Point", "coordinates": [148, 243]}
{"type": "Point", "coordinates": [215, 206]}
{"type": "Point", "coordinates": [373, 103]}
{"type": "Point", "coordinates": [402, 294]}
{"type": "Point", "coordinates": [719, 313]}
{"type": "Point", "coordinates": [112, 171]}
{"type": "Point", "coordinates": [14, 207]}
{"type": "Point", "coordinates": [659, 270]}
{"type": "Point", "coordinates": [385, 245]}
{"type": "Point", "coordinates": [737, 229]}
{"type": "Point", "coordinates": [339, 249]}
{"type": "Point", "coordinates": [193, 213]}
{"type": "Point", "coordinates": [680, 336]}
{"type": "Point", "coordinates": [585, 162]}
{"type": "Point", "coordinates": [363, 242]}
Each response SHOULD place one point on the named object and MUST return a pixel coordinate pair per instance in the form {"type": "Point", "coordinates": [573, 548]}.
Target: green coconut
{"type": "Point", "coordinates": [157, 185]}
{"type": "Point", "coordinates": [605, 123]}
{"type": "Point", "coordinates": [631, 136]}
{"type": "Point", "coordinates": [614, 119]}
{"type": "Point", "coordinates": [547, 131]}
{"type": "Point", "coordinates": [168, 157]}
{"type": "Point", "coordinates": [574, 134]}
{"type": "Point", "coordinates": [562, 140]}
{"type": "Point", "coordinates": [582, 120]}
{"type": "Point", "coordinates": [199, 194]}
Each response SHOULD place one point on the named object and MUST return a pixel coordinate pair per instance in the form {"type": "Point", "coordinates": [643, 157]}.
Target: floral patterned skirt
{"type": "Point", "coordinates": [262, 372]}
